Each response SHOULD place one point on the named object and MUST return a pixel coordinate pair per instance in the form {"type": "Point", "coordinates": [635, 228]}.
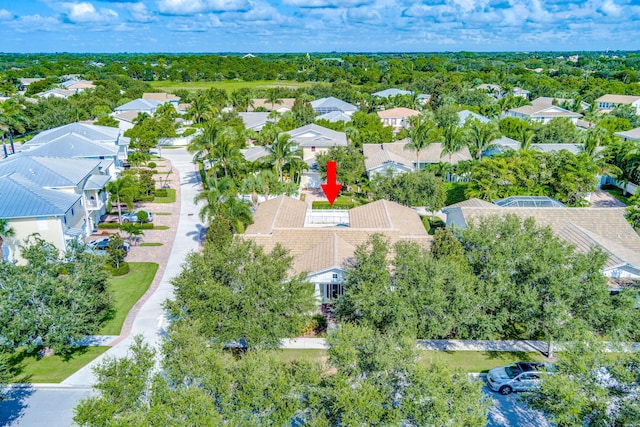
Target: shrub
{"type": "Point", "coordinates": [338, 204]}
{"type": "Point", "coordinates": [120, 271]}
{"type": "Point", "coordinates": [109, 225]}
{"type": "Point", "coordinates": [161, 192]}
{"type": "Point", "coordinates": [151, 165]}
{"type": "Point", "coordinates": [189, 132]}
{"type": "Point", "coordinates": [146, 198]}
{"type": "Point", "coordinates": [146, 226]}
{"type": "Point", "coordinates": [316, 325]}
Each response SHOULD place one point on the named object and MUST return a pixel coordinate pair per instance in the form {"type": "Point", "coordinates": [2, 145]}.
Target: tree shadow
{"type": "Point", "coordinates": [13, 403]}
{"type": "Point", "coordinates": [198, 235]}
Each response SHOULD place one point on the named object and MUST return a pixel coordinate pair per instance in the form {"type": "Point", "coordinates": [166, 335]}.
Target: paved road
{"type": "Point", "coordinates": [52, 407]}
{"type": "Point", "coordinates": [510, 411]}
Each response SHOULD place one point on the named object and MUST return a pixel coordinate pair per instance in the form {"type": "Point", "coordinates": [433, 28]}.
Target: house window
{"type": "Point", "coordinates": [73, 211]}
{"type": "Point", "coordinates": [64, 219]}
{"type": "Point", "coordinates": [335, 275]}
{"type": "Point", "coordinates": [313, 149]}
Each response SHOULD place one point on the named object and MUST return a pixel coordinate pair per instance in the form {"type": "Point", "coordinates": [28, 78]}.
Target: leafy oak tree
{"type": "Point", "coordinates": [418, 188]}
{"type": "Point", "coordinates": [349, 164]}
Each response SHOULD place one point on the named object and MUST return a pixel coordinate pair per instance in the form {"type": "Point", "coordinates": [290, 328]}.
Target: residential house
{"type": "Point", "coordinates": [313, 139]}
{"type": "Point", "coordinates": [542, 110]}
{"type": "Point", "coordinates": [285, 104]}
{"type": "Point", "coordinates": [397, 118]}
{"type": "Point", "coordinates": [57, 216]}
{"type": "Point", "coordinates": [165, 98]}
{"type": "Point", "coordinates": [56, 93]}
{"type": "Point", "coordinates": [126, 119]}
{"type": "Point", "coordinates": [465, 115]}
{"type": "Point", "coordinates": [629, 135]}
{"type": "Point", "coordinates": [395, 157]}
{"type": "Point", "coordinates": [390, 93]}
{"type": "Point", "coordinates": [522, 93]}
{"type": "Point", "coordinates": [423, 98]}
{"type": "Point", "coordinates": [609, 102]}
{"type": "Point", "coordinates": [322, 243]}
{"type": "Point", "coordinates": [334, 116]}
{"type": "Point", "coordinates": [255, 120]}
{"type": "Point", "coordinates": [83, 177]}
{"type": "Point", "coordinates": [78, 140]}
{"type": "Point", "coordinates": [585, 228]}
{"type": "Point", "coordinates": [327, 105]}
{"type": "Point", "coordinates": [25, 82]}
{"type": "Point", "coordinates": [77, 85]}
{"type": "Point", "coordinates": [139, 105]}
{"type": "Point", "coordinates": [492, 89]}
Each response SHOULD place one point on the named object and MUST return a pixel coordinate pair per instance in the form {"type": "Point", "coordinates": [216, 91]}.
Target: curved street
{"type": "Point", "coordinates": [32, 405]}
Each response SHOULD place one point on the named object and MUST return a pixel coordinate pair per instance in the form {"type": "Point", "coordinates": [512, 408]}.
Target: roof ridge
{"type": "Point", "coordinates": [24, 183]}
{"type": "Point", "coordinates": [275, 217]}
{"type": "Point", "coordinates": [386, 212]}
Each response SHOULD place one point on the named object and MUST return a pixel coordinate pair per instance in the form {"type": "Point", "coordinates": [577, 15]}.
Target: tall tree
{"type": "Point", "coordinates": [452, 140]}
{"type": "Point", "coordinates": [481, 136]}
{"type": "Point", "coordinates": [422, 133]}
{"type": "Point", "coordinates": [118, 189]}
{"type": "Point", "coordinates": [281, 151]}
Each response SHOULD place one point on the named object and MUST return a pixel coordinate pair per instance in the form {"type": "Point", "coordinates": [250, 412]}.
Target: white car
{"type": "Point", "coordinates": [519, 376]}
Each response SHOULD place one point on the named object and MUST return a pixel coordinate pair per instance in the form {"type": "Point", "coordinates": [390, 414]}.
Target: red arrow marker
{"type": "Point", "coordinates": [331, 188]}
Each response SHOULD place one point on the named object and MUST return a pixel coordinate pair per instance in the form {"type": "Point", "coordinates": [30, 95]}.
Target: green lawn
{"type": "Point", "coordinates": [615, 192]}
{"type": "Point", "coordinates": [467, 361]}
{"type": "Point", "coordinates": [162, 213]}
{"type": "Point", "coordinates": [127, 290]}
{"type": "Point", "coordinates": [455, 192]}
{"type": "Point", "coordinates": [161, 227]}
{"type": "Point", "coordinates": [171, 197]}
{"type": "Point", "coordinates": [29, 368]}
{"type": "Point", "coordinates": [150, 244]}
{"type": "Point", "coordinates": [228, 85]}
{"type": "Point", "coordinates": [341, 202]}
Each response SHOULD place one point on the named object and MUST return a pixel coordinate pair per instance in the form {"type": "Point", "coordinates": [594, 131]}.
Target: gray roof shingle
{"type": "Point", "coordinates": [49, 172]}
{"type": "Point", "coordinates": [20, 198]}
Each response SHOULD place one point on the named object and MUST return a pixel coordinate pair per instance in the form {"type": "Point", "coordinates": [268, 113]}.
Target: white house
{"type": "Point", "coordinates": [56, 93]}
{"type": "Point", "coordinates": [542, 110]}
{"type": "Point", "coordinates": [139, 105]}
{"type": "Point", "coordinates": [398, 118]}
{"type": "Point", "coordinates": [327, 105]}
{"type": "Point", "coordinates": [609, 102]}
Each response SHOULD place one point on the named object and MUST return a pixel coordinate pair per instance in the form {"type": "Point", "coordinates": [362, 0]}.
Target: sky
{"type": "Point", "coordinates": [255, 26]}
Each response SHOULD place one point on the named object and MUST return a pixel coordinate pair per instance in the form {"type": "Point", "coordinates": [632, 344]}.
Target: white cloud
{"type": "Point", "coordinates": [30, 23]}
{"type": "Point", "coordinates": [363, 15]}
{"type": "Point", "coordinates": [609, 8]}
{"type": "Point", "coordinates": [327, 3]}
{"type": "Point", "coordinates": [192, 7]}
{"type": "Point", "coordinates": [197, 24]}
{"type": "Point", "coordinates": [82, 13]}
{"type": "Point", "coordinates": [5, 15]}
{"type": "Point", "coordinates": [140, 13]}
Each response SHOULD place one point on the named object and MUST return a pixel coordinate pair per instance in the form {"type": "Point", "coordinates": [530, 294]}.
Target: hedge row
{"type": "Point", "coordinates": [116, 226]}
{"type": "Point", "coordinates": [336, 205]}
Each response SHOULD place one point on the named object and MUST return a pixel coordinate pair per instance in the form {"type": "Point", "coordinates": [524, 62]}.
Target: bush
{"type": "Point", "coordinates": [121, 271]}
{"type": "Point", "coordinates": [146, 198]}
{"type": "Point", "coordinates": [146, 226]}
{"type": "Point", "coordinates": [189, 132]}
{"type": "Point", "coordinates": [316, 325]}
{"type": "Point", "coordinates": [109, 225]}
{"type": "Point", "coordinates": [161, 192]}
{"type": "Point", "coordinates": [336, 205]}
{"type": "Point", "coordinates": [151, 165]}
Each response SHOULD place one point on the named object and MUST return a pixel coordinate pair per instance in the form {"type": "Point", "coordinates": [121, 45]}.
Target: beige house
{"type": "Point", "coordinates": [629, 135]}
{"type": "Point", "coordinates": [397, 118]}
{"type": "Point", "coordinates": [543, 110]}
{"type": "Point", "coordinates": [286, 104]}
{"type": "Point", "coordinates": [395, 157]}
{"type": "Point", "coordinates": [322, 243]}
{"type": "Point", "coordinates": [584, 228]}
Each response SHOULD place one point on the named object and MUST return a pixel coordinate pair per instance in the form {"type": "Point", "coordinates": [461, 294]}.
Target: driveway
{"type": "Point", "coordinates": [511, 411]}
{"type": "Point", "coordinates": [53, 406]}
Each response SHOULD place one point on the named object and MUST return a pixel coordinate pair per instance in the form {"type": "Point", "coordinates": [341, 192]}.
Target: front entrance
{"type": "Point", "coordinates": [332, 291]}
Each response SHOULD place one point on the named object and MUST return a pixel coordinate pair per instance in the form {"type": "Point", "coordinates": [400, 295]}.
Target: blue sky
{"type": "Point", "coordinates": [317, 25]}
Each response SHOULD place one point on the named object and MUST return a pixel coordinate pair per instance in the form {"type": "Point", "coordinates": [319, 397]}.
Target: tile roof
{"type": "Point", "coordinates": [262, 102]}
{"type": "Point", "coordinates": [281, 221]}
{"type": "Point", "coordinates": [630, 134]}
{"type": "Point", "coordinates": [471, 203]}
{"type": "Point", "coordinates": [160, 96]}
{"type": "Point", "coordinates": [255, 153]}
{"type": "Point", "coordinates": [465, 115]}
{"type": "Point", "coordinates": [126, 116]}
{"type": "Point", "coordinates": [49, 172]}
{"type": "Point", "coordinates": [618, 99]}
{"type": "Point", "coordinates": [582, 227]}
{"type": "Point", "coordinates": [317, 136]}
{"type": "Point", "coordinates": [395, 152]}
{"type": "Point", "coordinates": [399, 112]}
{"type": "Point", "coordinates": [65, 93]}
{"type": "Point", "coordinates": [21, 198]}
{"type": "Point", "coordinates": [538, 110]}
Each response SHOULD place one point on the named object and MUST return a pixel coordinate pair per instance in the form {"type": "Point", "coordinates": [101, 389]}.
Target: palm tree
{"type": "Point", "coordinates": [12, 120]}
{"type": "Point", "coordinates": [593, 138]}
{"type": "Point", "coordinates": [198, 109]}
{"type": "Point", "coordinates": [422, 133]}
{"type": "Point", "coordinates": [118, 189]}
{"type": "Point", "coordinates": [226, 150]}
{"type": "Point", "coordinates": [295, 166]}
{"type": "Point", "coordinates": [452, 141]}
{"type": "Point", "coordinates": [281, 151]}
{"type": "Point", "coordinates": [481, 136]}
{"type": "Point", "coordinates": [238, 214]}
{"type": "Point", "coordinates": [253, 184]}
{"type": "Point", "coordinates": [217, 191]}
{"type": "Point", "coordinates": [202, 145]}
{"type": "Point", "coordinates": [526, 138]}
{"type": "Point", "coordinates": [5, 231]}
{"type": "Point", "coordinates": [273, 99]}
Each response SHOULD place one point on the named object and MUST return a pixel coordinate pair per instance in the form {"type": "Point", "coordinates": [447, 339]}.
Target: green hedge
{"type": "Point", "coordinates": [120, 271]}
{"type": "Point", "coordinates": [161, 192]}
{"type": "Point", "coordinates": [116, 226]}
{"type": "Point", "coordinates": [336, 205]}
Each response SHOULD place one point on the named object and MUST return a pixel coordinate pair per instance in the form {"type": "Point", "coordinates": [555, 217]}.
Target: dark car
{"type": "Point", "coordinates": [100, 245]}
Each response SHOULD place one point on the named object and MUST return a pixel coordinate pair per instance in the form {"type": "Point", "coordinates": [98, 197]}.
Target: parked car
{"type": "Point", "coordinates": [133, 216]}
{"type": "Point", "coordinates": [100, 245]}
{"type": "Point", "coordinates": [519, 376]}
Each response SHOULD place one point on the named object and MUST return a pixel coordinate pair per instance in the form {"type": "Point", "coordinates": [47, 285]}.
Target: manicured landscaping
{"type": "Point", "coordinates": [170, 198]}
{"type": "Point", "coordinates": [150, 244]}
{"type": "Point", "coordinates": [162, 213]}
{"type": "Point", "coordinates": [615, 192]}
{"type": "Point", "coordinates": [455, 192]}
{"type": "Point", "coordinates": [161, 227]}
{"type": "Point", "coordinates": [228, 85]}
{"type": "Point", "coordinates": [466, 361]}
{"type": "Point", "coordinates": [127, 290]}
{"type": "Point", "coordinates": [27, 367]}
{"type": "Point", "coordinates": [342, 202]}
